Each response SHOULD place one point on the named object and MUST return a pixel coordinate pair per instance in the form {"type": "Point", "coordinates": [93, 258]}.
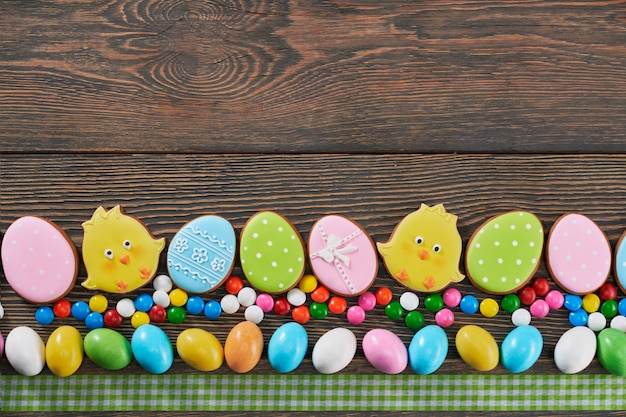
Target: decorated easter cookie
{"type": "Point", "coordinates": [620, 262]}
{"type": "Point", "coordinates": [271, 253]}
{"type": "Point", "coordinates": [504, 252]}
{"type": "Point", "coordinates": [202, 254]}
{"type": "Point", "coordinates": [40, 261]}
{"type": "Point", "coordinates": [342, 255]}
{"type": "Point", "coordinates": [424, 250]}
{"type": "Point", "coordinates": [119, 252]}
{"type": "Point", "coordinates": [578, 254]}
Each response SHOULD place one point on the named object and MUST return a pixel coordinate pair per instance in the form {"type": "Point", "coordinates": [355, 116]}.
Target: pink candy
{"type": "Point", "coordinates": [444, 317]}
{"type": "Point", "coordinates": [554, 299]}
{"type": "Point", "coordinates": [452, 297]}
{"type": "Point", "coordinates": [356, 314]}
{"type": "Point", "coordinates": [367, 301]}
{"type": "Point", "coordinates": [266, 302]}
{"type": "Point", "coordinates": [539, 308]}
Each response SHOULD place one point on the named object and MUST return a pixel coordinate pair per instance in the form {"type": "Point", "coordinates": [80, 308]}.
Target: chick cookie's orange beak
{"type": "Point", "coordinates": [424, 254]}
{"type": "Point", "coordinates": [125, 259]}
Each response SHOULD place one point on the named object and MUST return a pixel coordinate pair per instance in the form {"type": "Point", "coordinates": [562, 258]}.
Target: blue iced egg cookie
{"type": "Point", "coordinates": [202, 254]}
{"type": "Point", "coordinates": [620, 262]}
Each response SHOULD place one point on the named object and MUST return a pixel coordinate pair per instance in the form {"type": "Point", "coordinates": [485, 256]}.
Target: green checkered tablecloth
{"type": "Point", "coordinates": [312, 392]}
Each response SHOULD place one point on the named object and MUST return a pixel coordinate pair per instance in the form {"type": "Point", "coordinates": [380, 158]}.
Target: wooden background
{"type": "Point", "coordinates": [176, 109]}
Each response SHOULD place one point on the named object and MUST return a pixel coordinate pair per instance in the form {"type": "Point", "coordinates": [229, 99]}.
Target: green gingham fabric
{"type": "Point", "coordinates": [312, 392]}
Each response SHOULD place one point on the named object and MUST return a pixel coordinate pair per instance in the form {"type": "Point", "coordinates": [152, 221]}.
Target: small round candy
{"type": "Point", "coordinates": [144, 302]}
{"type": "Point", "coordinates": [254, 313]}
{"type": "Point", "coordinates": [212, 310]}
{"type": "Point", "coordinates": [80, 309]}
{"type": "Point", "coordinates": [452, 297]}
{"type": "Point", "coordinates": [591, 303]}
{"type": "Point", "coordinates": [337, 305]}
{"type": "Point", "coordinates": [112, 319]}
{"type": "Point", "coordinates": [607, 291]}
{"type": "Point", "coordinates": [414, 320]}
{"type": "Point", "coordinates": [541, 286]}
{"type": "Point", "coordinates": [555, 299]}
{"type": "Point", "coordinates": [367, 301]}
{"type": "Point", "coordinates": [296, 297]}
{"type": "Point", "coordinates": [62, 308]}
{"type": "Point", "coordinates": [527, 295]}
{"type": "Point", "coordinates": [301, 314]}
{"type": "Point", "coordinates": [355, 315]}
{"type": "Point", "coordinates": [94, 320]}
{"type": "Point", "coordinates": [308, 283]}
{"type": "Point", "coordinates": [126, 307]}
{"type": "Point", "coordinates": [578, 317]}
{"type": "Point", "coordinates": [282, 306]}
{"type": "Point", "coordinates": [161, 298]}
{"type": "Point", "coordinates": [621, 307]}
{"type": "Point", "coordinates": [539, 308]}
{"type": "Point", "coordinates": [139, 318]}
{"type": "Point", "coordinates": [246, 296]}
{"type": "Point", "coordinates": [1, 339]}
{"type": "Point", "coordinates": [195, 305]}
{"type": "Point", "coordinates": [510, 303]}
{"type": "Point", "coordinates": [44, 315]}
{"type": "Point", "coordinates": [520, 317]}
{"type": "Point", "coordinates": [230, 304]}
{"type": "Point", "coordinates": [383, 296]}
{"type": "Point", "coordinates": [394, 310]}
{"type": "Point", "coordinates": [433, 302]}
{"type": "Point", "coordinates": [178, 297]}
{"type": "Point", "coordinates": [445, 317]}
{"type": "Point", "coordinates": [489, 307]}
{"type": "Point", "coordinates": [469, 304]}
{"type": "Point", "coordinates": [320, 294]}
{"type": "Point", "coordinates": [318, 310]}
{"type": "Point", "coordinates": [619, 323]}
{"type": "Point", "coordinates": [163, 283]}
{"type": "Point", "coordinates": [98, 303]}
{"type": "Point", "coordinates": [157, 314]}
{"type": "Point", "coordinates": [266, 302]}
{"type": "Point", "coordinates": [176, 315]}
{"type": "Point", "coordinates": [572, 302]}
{"type": "Point", "coordinates": [234, 284]}
{"type": "Point", "coordinates": [409, 301]}
{"type": "Point", "coordinates": [609, 308]}
{"type": "Point", "coordinates": [596, 321]}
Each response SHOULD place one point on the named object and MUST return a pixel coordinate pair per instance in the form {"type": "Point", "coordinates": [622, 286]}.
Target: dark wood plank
{"type": "Point", "coordinates": [166, 191]}
{"type": "Point", "coordinates": [308, 76]}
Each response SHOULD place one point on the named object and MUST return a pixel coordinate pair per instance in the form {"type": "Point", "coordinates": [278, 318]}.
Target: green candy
{"type": "Point", "coordinates": [612, 351]}
{"type": "Point", "coordinates": [318, 310]}
{"type": "Point", "coordinates": [176, 315]}
{"type": "Point", "coordinates": [108, 349]}
{"type": "Point", "coordinates": [510, 303]}
{"type": "Point", "coordinates": [414, 320]}
{"type": "Point", "coordinates": [433, 302]}
{"type": "Point", "coordinates": [394, 310]}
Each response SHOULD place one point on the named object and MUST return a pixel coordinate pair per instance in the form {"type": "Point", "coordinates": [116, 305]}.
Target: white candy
{"type": "Point", "coordinates": [162, 282]}
{"type": "Point", "coordinates": [409, 301]}
{"type": "Point", "coordinates": [619, 323]}
{"type": "Point", "coordinates": [254, 313]}
{"type": "Point", "coordinates": [25, 351]}
{"type": "Point", "coordinates": [520, 317]}
{"type": "Point", "coordinates": [161, 298]}
{"type": "Point", "coordinates": [246, 296]}
{"type": "Point", "coordinates": [230, 304]}
{"type": "Point", "coordinates": [1, 311]}
{"type": "Point", "coordinates": [296, 297]}
{"type": "Point", "coordinates": [125, 307]}
{"type": "Point", "coordinates": [596, 321]}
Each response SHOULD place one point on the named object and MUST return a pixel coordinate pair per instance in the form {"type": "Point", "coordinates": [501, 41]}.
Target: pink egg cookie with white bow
{"type": "Point", "coordinates": [40, 261]}
{"type": "Point", "coordinates": [342, 255]}
{"type": "Point", "coordinates": [578, 254]}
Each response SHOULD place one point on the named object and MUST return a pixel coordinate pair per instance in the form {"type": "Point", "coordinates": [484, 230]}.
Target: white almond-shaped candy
{"type": "Point", "coordinates": [25, 351]}
{"type": "Point", "coordinates": [575, 350]}
{"type": "Point", "coordinates": [334, 350]}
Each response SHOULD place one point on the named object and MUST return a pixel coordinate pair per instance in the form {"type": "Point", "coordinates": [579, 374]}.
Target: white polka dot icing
{"type": "Point", "coordinates": [620, 262]}
{"type": "Point", "coordinates": [504, 252]}
{"type": "Point", "coordinates": [578, 254]}
{"type": "Point", "coordinates": [40, 261]}
{"type": "Point", "coordinates": [202, 254]}
{"type": "Point", "coordinates": [271, 253]}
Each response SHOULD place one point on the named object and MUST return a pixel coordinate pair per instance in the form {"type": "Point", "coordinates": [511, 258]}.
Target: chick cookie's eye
{"type": "Point", "coordinates": [127, 244]}
{"type": "Point", "coordinates": [419, 240]}
{"type": "Point", "coordinates": [437, 248]}
{"type": "Point", "coordinates": [108, 253]}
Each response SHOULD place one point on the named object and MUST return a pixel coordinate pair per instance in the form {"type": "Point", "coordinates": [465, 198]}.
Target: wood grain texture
{"type": "Point", "coordinates": [307, 76]}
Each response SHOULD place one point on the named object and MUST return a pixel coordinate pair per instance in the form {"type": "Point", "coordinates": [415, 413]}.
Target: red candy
{"type": "Point", "coordinates": [157, 314]}
{"type": "Point", "coordinates": [607, 291]}
{"type": "Point", "coordinates": [541, 286]}
{"type": "Point", "coordinates": [320, 294]}
{"type": "Point", "coordinates": [337, 305]}
{"type": "Point", "coordinates": [112, 318]}
{"type": "Point", "coordinates": [234, 284]}
{"type": "Point", "coordinates": [301, 314]}
{"type": "Point", "coordinates": [527, 295]}
{"type": "Point", "coordinates": [383, 296]}
{"type": "Point", "coordinates": [62, 308]}
{"type": "Point", "coordinates": [282, 306]}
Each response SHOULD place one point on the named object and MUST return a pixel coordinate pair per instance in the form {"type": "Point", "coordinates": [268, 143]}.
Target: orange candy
{"type": "Point", "coordinates": [243, 347]}
{"type": "Point", "coordinates": [337, 305]}
{"type": "Point", "coordinates": [301, 314]}
{"type": "Point", "coordinates": [234, 284]}
{"type": "Point", "coordinates": [320, 295]}
{"type": "Point", "coordinates": [383, 296]}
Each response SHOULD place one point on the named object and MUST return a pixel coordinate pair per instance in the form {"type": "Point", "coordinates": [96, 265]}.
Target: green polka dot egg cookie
{"type": "Point", "coordinates": [271, 253]}
{"type": "Point", "coordinates": [504, 252]}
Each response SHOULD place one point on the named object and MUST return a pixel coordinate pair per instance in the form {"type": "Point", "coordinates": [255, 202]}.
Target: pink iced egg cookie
{"type": "Point", "coordinates": [342, 255]}
{"type": "Point", "coordinates": [40, 261]}
{"type": "Point", "coordinates": [578, 254]}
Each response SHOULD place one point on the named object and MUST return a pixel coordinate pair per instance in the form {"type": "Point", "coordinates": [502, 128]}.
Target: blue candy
{"type": "Point", "coordinates": [469, 304]}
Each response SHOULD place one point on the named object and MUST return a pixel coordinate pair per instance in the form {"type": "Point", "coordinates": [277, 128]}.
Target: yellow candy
{"type": "Point", "coordinates": [200, 349]}
{"type": "Point", "coordinates": [98, 303]}
{"type": "Point", "coordinates": [477, 348]}
{"type": "Point", "coordinates": [178, 297]}
{"type": "Point", "coordinates": [591, 303]}
{"type": "Point", "coordinates": [489, 307]}
{"type": "Point", "coordinates": [139, 318]}
{"type": "Point", "coordinates": [308, 283]}
{"type": "Point", "coordinates": [64, 351]}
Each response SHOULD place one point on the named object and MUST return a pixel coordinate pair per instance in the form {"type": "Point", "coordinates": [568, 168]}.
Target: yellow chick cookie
{"type": "Point", "coordinates": [119, 252]}
{"type": "Point", "coordinates": [424, 250]}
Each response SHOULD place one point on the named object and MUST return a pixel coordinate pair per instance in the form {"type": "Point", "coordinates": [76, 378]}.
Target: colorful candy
{"type": "Point", "coordinates": [334, 350]}
{"type": "Point", "coordinates": [287, 347]}
{"type": "Point", "coordinates": [64, 351]}
{"type": "Point", "coordinates": [200, 349]}
{"type": "Point", "coordinates": [243, 347]}
{"type": "Point", "coordinates": [385, 351]}
{"type": "Point", "coordinates": [428, 349]}
{"type": "Point", "coordinates": [477, 348]}
{"type": "Point", "coordinates": [108, 349]}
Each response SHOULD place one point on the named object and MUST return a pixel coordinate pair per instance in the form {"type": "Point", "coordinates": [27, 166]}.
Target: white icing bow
{"type": "Point", "coordinates": [332, 250]}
